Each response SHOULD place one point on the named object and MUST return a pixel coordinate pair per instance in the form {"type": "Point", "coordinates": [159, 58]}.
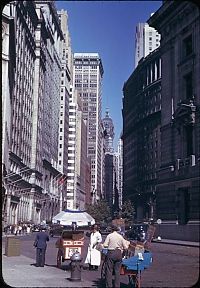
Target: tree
{"type": "Point", "coordinates": [128, 211]}
{"type": "Point", "coordinates": [100, 211]}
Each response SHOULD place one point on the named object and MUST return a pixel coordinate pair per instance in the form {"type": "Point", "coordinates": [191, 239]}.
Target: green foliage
{"type": "Point", "coordinates": [128, 211]}
{"type": "Point", "coordinates": [100, 211]}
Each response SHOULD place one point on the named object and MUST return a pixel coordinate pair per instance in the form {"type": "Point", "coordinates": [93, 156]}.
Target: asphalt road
{"type": "Point", "coordinates": [173, 265]}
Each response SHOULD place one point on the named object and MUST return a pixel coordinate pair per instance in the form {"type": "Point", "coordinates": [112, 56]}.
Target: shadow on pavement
{"type": "Point", "coordinates": [100, 283]}
{"type": "Point", "coordinates": [53, 265]}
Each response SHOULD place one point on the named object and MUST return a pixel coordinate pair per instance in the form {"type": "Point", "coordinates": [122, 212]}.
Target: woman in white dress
{"type": "Point", "coordinates": [93, 257]}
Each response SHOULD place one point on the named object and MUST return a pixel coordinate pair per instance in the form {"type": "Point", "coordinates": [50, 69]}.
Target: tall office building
{"type": "Point", "coordinates": [110, 175]}
{"type": "Point", "coordinates": [147, 39]}
{"type": "Point", "coordinates": [109, 132]}
{"type": "Point", "coordinates": [119, 170]}
{"type": "Point", "coordinates": [65, 82]}
{"type": "Point", "coordinates": [8, 70]}
{"type": "Point", "coordinates": [77, 175]}
{"type": "Point", "coordinates": [88, 73]}
{"type": "Point", "coordinates": [34, 114]}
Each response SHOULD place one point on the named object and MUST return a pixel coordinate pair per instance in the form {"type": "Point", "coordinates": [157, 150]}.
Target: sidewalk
{"type": "Point", "coordinates": [20, 271]}
{"type": "Point", "coordinates": [177, 242]}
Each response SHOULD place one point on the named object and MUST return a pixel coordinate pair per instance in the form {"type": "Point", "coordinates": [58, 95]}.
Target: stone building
{"type": "Point", "coordinates": [33, 157]}
{"type": "Point", "coordinates": [141, 135]}
{"type": "Point", "coordinates": [8, 70]}
{"type": "Point", "coordinates": [178, 185]}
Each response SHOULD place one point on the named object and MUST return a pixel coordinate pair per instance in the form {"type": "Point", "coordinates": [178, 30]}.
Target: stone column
{"type": "Point", "coordinates": [31, 205]}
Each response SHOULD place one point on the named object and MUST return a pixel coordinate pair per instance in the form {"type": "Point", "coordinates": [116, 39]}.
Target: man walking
{"type": "Point", "coordinates": [115, 244]}
{"type": "Point", "coordinates": [41, 244]}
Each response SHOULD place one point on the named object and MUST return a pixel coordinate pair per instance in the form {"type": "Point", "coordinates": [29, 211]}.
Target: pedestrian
{"type": "Point", "coordinates": [74, 226]}
{"type": "Point", "coordinates": [15, 229]}
{"type": "Point", "coordinates": [41, 244]}
{"type": "Point", "coordinates": [12, 229]}
{"type": "Point", "coordinates": [20, 229]}
{"type": "Point", "coordinates": [28, 229]}
{"type": "Point", "coordinates": [116, 244]}
{"type": "Point", "coordinates": [93, 257]}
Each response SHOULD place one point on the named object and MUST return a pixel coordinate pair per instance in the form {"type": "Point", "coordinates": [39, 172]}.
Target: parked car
{"type": "Point", "coordinates": [137, 232]}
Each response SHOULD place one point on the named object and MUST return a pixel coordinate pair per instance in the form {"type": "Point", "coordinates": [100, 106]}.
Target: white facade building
{"type": "Point", "coordinates": [88, 73]}
{"type": "Point", "coordinates": [119, 170]}
{"type": "Point", "coordinates": [77, 154]}
{"type": "Point", "coordinates": [147, 39]}
{"type": "Point", "coordinates": [65, 84]}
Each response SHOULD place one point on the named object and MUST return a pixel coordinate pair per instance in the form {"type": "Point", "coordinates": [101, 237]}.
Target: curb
{"type": "Point", "coordinates": [177, 242]}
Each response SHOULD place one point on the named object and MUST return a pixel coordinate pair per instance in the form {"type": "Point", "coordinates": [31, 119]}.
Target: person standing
{"type": "Point", "coordinates": [116, 244]}
{"type": "Point", "coordinates": [93, 257]}
{"type": "Point", "coordinates": [41, 244]}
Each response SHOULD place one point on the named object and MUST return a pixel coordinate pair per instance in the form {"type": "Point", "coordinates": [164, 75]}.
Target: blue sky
{"type": "Point", "coordinates": [108, 28]}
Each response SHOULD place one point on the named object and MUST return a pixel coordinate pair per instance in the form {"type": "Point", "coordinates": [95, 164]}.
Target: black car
{"type": "Point", "coordinates": [137, 232]}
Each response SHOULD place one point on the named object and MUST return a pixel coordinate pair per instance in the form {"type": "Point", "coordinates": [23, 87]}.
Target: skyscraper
{"type": "Point", "coordinates": [109, 132]}
{"type": "Point", "coordinates": [88, 73]}
{"type": "Point", "coordinates": [110, 173]}
{"type": "Point", "coordinates": [147, 39]}
{"type": "Point", "coordinates": [119, 169]}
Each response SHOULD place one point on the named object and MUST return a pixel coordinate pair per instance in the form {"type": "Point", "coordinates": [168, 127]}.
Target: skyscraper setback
{"type": "Point", "coordinates": [88, 73]}
{"type": "Point", "coordinates": [147, 39]}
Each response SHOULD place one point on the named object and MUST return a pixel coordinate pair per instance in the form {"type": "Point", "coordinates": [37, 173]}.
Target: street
{"type": "Point", "coordinates": [173, 265]}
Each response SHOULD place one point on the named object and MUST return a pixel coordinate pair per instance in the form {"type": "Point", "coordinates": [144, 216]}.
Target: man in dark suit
{"type": "Point", "coordinates": [41, 244]}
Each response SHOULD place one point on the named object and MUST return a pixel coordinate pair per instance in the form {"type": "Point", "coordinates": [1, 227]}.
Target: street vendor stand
{"type": "Point", "coordinates": [134, 265]}
{"type": "Point", "coordinates": [69, 243]}
{"type": "Point", "coordinates": [136, 259]}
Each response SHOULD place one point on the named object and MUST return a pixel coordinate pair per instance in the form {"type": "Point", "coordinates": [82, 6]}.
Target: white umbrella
{"type": "Point", "coordinates": [67, 217]}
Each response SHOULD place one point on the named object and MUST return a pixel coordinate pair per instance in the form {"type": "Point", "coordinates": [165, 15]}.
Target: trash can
{"type": "Point", "coordinates": [12, 246]}
{"type": "Point", "coordinates": [75, 267]}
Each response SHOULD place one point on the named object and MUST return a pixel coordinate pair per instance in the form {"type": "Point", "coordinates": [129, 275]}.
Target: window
{"type": "Point", "coordinates": [189, 140]}
{"type": "Point", "coordinates": [188, 86]}
{"type": "Point", "coordinates": [187, 46]}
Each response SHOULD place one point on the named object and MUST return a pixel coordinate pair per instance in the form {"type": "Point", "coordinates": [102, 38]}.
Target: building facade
{"type": "Point", "coordinates": [65, 86]}
{"type": "Point", "coordinates": [177, 196]}
{"type": "Point", "coordinates": [33, 187]}
{"type": "Point", "coordinates": [8, 70]}
{"type": "Point", "coordinates": [88, 73]}
{"type": "Point", "coordinates": [147, 39]}
{"type": "Point", "coordinates": [141, 135]}
{"type": "Point", "coordinates": [109, 175]}
{"type": "Point", "coordinates": [118, 163]}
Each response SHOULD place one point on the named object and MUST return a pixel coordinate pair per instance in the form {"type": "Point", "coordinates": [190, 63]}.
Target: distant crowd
{"type": "Point", "coordinates": [18, 229]}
